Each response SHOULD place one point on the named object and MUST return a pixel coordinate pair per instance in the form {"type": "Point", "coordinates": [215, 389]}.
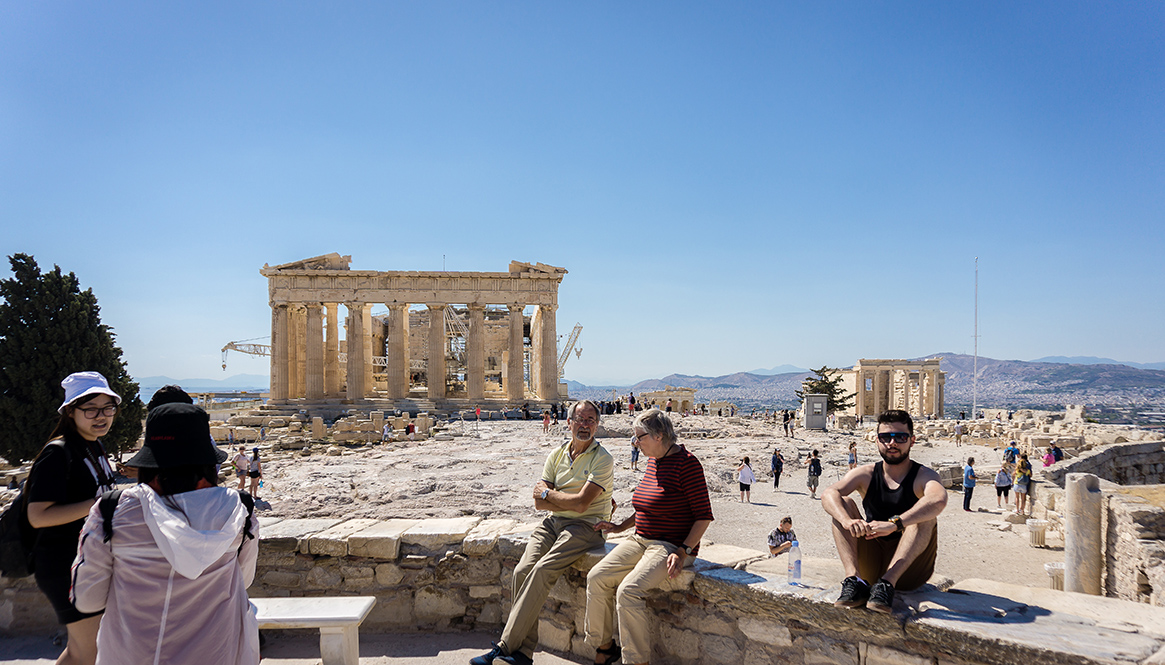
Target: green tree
{"type": "Point", "coordinates": [50, 328]}
{"type": "Point", "coordinates": [828, 383]}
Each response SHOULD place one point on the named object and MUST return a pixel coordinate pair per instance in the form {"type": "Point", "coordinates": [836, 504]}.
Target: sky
{"type": "Point", "coordinates": [730, 185]}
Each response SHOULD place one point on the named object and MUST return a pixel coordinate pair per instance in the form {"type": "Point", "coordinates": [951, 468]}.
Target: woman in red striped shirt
{"type": "Point", "coordinates": [672, 511]}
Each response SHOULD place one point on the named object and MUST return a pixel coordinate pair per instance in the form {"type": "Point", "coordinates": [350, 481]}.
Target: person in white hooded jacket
{"type": "Point", "coordinates": [173, 578]}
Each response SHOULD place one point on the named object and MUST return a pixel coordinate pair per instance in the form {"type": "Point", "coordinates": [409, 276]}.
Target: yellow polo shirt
{"type": "Point", "coordinates": [595, 465]}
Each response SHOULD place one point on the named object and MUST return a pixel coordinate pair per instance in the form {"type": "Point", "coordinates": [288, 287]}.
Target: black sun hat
{"type": "Point", "coordinates": [176, 435]}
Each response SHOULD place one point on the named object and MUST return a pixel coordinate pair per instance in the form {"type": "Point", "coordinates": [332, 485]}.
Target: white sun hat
{"type": "Point", "coordinates": [83, 384]}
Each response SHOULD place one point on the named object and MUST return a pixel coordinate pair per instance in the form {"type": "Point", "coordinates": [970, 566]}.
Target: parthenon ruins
{"type": "Point", "coordinates": [915, 386]}
{"type": "Point", "coordinates": [472, 341]}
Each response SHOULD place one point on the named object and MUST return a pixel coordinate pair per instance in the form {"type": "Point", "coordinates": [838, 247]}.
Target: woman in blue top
{"type": "Point", "coordinates": [969, 479]}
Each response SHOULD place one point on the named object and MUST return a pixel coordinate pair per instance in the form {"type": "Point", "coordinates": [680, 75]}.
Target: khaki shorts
{"type": "Point", "coordinates": [875, 556]}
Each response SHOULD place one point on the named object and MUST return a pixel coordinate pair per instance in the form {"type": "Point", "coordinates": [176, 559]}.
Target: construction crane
{"type": "Point", "coordinates": [564, 355]}
{"type": "Point", "coordinates": [244, 346]}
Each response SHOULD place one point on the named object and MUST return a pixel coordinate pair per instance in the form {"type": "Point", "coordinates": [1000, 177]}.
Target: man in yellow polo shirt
{"type": "Point", "coordinates": [576, 488]}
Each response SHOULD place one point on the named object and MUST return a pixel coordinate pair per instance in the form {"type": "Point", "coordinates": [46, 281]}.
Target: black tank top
{"type": "Point", "coordinates": [881, 503]}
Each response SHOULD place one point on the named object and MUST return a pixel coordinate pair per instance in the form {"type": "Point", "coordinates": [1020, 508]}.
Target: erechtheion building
{"type": "Point", "coordinates": [446, 335]}
{"type": "Point", "coordinates": [915, 386]}
{"type": "Point", "coordinates": [682, 399]}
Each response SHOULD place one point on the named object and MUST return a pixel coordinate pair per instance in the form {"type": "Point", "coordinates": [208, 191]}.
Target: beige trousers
{"type": "Point", "coordinates": [619, 584]}
{"type": "Point", "coordinates": [553, 547]}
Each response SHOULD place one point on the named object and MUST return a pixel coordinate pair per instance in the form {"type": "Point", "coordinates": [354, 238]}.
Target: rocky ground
{"type": "Point", "coordinates": [489, 468]}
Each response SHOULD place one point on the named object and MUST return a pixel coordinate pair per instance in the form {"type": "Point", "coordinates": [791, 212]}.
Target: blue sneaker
{"type": "Point", "coordinates": [487, 659]}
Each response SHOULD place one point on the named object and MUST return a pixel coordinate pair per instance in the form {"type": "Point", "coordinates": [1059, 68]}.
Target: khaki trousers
{"type": "Point", "coordinates": [619, 584]}
{"type": "Point", "coordinates": [554, 546]}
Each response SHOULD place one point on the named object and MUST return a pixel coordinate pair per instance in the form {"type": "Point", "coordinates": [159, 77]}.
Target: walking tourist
{"type": "Point", "coordinates": [672, 511]}
{"type": "Point", "coordinates": [1002, 487]}
{"type": "Point", "coordinates": [895, 545]}
{"type": "Point", "coordinates": [853, 455]}
{"type": "Point", "coordinates": [1023, 482]}
{"type": "Point", "coordinates": [172, 579]}
{"type": "Point", "coordinates": [255, 471]}
{"type": "Point", "coordinates": [746, 478]}
{"type": "Point", "coordinates": [969, 479]}
{"type": "Point", "coordinates": [69, 473]}
{"type": "Point", "coordinates": [242, 465]}
{"type": "Point", "coordinates": [777, 465]}
{"type": "Point", "coordinates": [813, 474]}
{"type": "Point", "coordinates": [576, 485]}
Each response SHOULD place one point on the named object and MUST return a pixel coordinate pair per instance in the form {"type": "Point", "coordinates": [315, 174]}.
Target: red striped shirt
{"type": "Point", "coordinates": [671, 497]}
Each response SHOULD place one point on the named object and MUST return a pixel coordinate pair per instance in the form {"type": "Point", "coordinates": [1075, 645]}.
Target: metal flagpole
{"type": "Point", "coordinates": [975, 376]}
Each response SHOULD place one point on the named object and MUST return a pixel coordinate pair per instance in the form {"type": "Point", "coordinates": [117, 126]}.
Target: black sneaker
{"type": "Point", "coordinates": [487, 659]}
{"type": "Point", "coordinates": [854, 593]}
{"type": "Point", "coordinates": [516, 658]}
{"type": "Point", "coordinates": [882, 597]}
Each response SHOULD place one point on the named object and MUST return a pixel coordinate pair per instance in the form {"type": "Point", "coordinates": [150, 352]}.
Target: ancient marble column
{"type": "Point", "coordinates": [314, 382]}
{"type": "Point", "coordinates": [331, 353]}
{"type": "Point", "coordinates": [293, 352]}
{"type": "Point", "coordinates": [397, 350]}
{"type": "Point", "coordinates": [279, 352]}
{"type": "Point", "coordinates": [475, 354]}
{"type": "Point", "coordinates": [355, 343]}
{"type": "Point", "coordinates": [860, 389]}
{"type": "Point", "coordinates": [366, 333]}
{"type": "Point", "coordinates": [515, 381]}
{"type": "Point", "coordinates": [881, 391]}
{"type": "Point", "coordinates": [1083, 539]}
{"type": "Point", "coordinates": [548, 367]}
{"type": "Point", "coordinates": [437, 369]}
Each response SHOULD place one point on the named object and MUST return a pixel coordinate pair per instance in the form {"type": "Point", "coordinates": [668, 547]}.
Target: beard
{"type": "Point", "coordinates": [894, 458]}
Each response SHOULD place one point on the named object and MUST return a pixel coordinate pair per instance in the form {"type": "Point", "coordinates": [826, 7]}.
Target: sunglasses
{"type": "Point", "coordinates": [896, 437]}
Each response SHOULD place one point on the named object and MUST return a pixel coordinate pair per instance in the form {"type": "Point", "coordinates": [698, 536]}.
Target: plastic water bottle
{"type": "Point", "coordinates": [795, 564]}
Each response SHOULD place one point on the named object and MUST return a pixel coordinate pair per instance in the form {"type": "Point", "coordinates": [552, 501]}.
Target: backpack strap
{"type": "Point", "coordinates": [108, 505]}
{"type": "Point", "coordinates": [249, 502]}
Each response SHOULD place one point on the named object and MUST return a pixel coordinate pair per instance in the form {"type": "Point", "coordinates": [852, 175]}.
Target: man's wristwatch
{"type": "Point", "coordinates": [687, 549]}
{"type": "Point", "coordinates": [545, 493]}
{"type": "Point", "coordinates": [897, 522]}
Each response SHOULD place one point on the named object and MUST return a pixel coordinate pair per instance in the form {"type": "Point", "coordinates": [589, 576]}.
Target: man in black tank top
{"type": "Point", "coordinates": [894, 545]}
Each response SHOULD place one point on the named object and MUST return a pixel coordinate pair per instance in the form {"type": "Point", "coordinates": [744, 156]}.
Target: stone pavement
{"type": "Point", "coordinates": [298, 649]}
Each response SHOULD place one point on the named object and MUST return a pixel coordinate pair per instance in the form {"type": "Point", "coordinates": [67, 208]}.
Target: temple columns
{"type": "Point", "coordinates": [314, 381]}
{"type": "Point", "coordinates": [279, 352]}
{"type": "Point", "coordinates": [366, 337]}
{"type": "Point", "coordinates": [331, 353]}
{"type": "Point", "coordinates": [397, 351]}
{"type": "Point", "coordinates": [355, 342]}
{"type": "Point", "coordinates": [475, 354]}
{"type": "Point", "coordinates": [548, 365]}
{"type": "Point", "coordinates": [437, 369]}
{"type": "Point", "coordinates": [515, 381]}
{"type": "Point", "coordinates": [1083, 538]}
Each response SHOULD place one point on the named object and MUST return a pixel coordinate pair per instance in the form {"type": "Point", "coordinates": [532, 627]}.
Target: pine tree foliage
{"type": "Point", "coordinates": [828, 383]}
{"type": "Point", "coordinates": [50, 328]}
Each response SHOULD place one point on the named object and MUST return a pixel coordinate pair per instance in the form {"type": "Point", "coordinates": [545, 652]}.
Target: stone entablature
{"type": "Point", "coordinates": [683, 399]}
{"type": "Point", "coordinates": [915, 386]}
{"type": "Point", "coordinates": [307, 361]}
{"type": "Point", "coordinates": [732, 606]}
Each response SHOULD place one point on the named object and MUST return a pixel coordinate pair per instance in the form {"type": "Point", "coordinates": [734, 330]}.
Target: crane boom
{"type": "Point", "coordinates": [568, 347]}
{"type": "Point", "coordinates": [244, 347]}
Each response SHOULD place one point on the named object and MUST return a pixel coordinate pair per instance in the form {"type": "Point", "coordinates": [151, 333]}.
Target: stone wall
{"type": "Point", "coordinates": [731, 606]}
{"type": "Point", "coordinates": [1121, 463]}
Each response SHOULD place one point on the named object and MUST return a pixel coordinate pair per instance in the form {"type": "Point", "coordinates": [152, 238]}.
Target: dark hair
{"type": "Point", "coordinates": [897, 416]}
{"type": "Point", "coordinates": [787, 519]}
{"type": "Point", "coordinates": [583, 402]}
{"type": "Point", "coordinates": [746, 459]}
{"type": "Point", "coordinates": [168, 395]}
{"type": "Point", "coordinates": [815, 453]}
{"type": "Point", "coordinates": [971, 461]}
{"type": "Point", "coordinates": [179, 479]}
{"type": "Point", "coordinates": [65, 424]}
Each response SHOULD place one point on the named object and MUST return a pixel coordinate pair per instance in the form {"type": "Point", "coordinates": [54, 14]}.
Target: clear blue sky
{"type": "Point", "coordinates": [731, 185]}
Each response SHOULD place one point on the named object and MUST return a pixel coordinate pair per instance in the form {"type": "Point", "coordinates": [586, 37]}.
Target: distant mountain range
{"type": "Point", "coordinates": [1006, 383]}
{"type": "Point", "coordinates": [779, 369]}
{"type": "Point", "coordinates": [1093, 360]}
{"type": "Point", "coordinates": [148, 384]}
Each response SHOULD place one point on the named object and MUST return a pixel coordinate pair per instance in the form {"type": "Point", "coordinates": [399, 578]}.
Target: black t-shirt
{"type": "Point", "coordinates": [65, 476]}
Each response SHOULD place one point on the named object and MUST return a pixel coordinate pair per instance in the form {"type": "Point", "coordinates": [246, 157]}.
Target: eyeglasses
{"type": "Point", "coordinates": [586, 421]}
{"type": "Point", "coordinates": [93, 411]}
{"type": "Point", "coordinates": [896, 437]}
{"type": "Point", "coordinates": [639, 437]}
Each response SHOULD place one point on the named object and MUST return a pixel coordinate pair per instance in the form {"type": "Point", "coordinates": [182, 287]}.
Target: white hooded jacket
{"type": "Point", "coordinates": [172, 581]}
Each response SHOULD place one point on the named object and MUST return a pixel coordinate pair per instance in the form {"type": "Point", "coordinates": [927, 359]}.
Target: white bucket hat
{"type": "Point", "coordinates": [83, 384]}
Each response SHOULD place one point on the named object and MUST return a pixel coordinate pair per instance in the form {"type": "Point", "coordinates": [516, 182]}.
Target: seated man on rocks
{"type": "Point", "coordinates": [895, 545]}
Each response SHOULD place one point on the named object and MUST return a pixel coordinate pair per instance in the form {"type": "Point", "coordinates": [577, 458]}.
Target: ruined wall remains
{"type": "Point", "coordinates": [733, 606]}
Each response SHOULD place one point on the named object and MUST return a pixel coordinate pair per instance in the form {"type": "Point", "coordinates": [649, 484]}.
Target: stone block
{"type": "Point", "coordinates": [720, 649]}
{"type": "Point", "coordinates": [821, 651]}
{"type": "Point", "coordinates": [729, 555]}
{"type": "Point", "coordinates": [460, 569]}
{"type": "Point", "coordinates": [765, 631]}
{"type": "Point", "coordinates": [879, 655]}
{"type": "Point", "coordinates": [484, 591]}
{"type": "Point", "coordinates": [432, 604]}
{"type": "Point", "coordinates": [551, 635]}
{"type": "Point", "coordinates": [684, 644]}
{"type": "Point", "coordinates": [433, 534]}
{"type": "Point", "coordinates": [318, 429]}
{"type": "Point", "coordinates": [389, 574]}
{"type": "Point", "coordinates": [283, 579]}
{"type": "Point", "coordinates": [511, 545]}
{"type": "Point", "coordinates": [379, 541]}
{"type": "Point", "coordinates": [709, 624]}
{"type": "Point", "coordinates": [491, 613]}
{"type": "Point", "coordinates": [334, 541]}
{"type": "Point", "coordinates": [482, 539]}
{"type": "Point", "coordinates": [288, 534]}
{"type": "Point", "coordinates": [323, 577]}
{"type": "Point", "coordinates": [393, 610]}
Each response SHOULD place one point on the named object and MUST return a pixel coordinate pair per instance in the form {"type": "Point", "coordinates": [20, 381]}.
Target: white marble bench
{"type": "Point", "coordinates": [337, 617]}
